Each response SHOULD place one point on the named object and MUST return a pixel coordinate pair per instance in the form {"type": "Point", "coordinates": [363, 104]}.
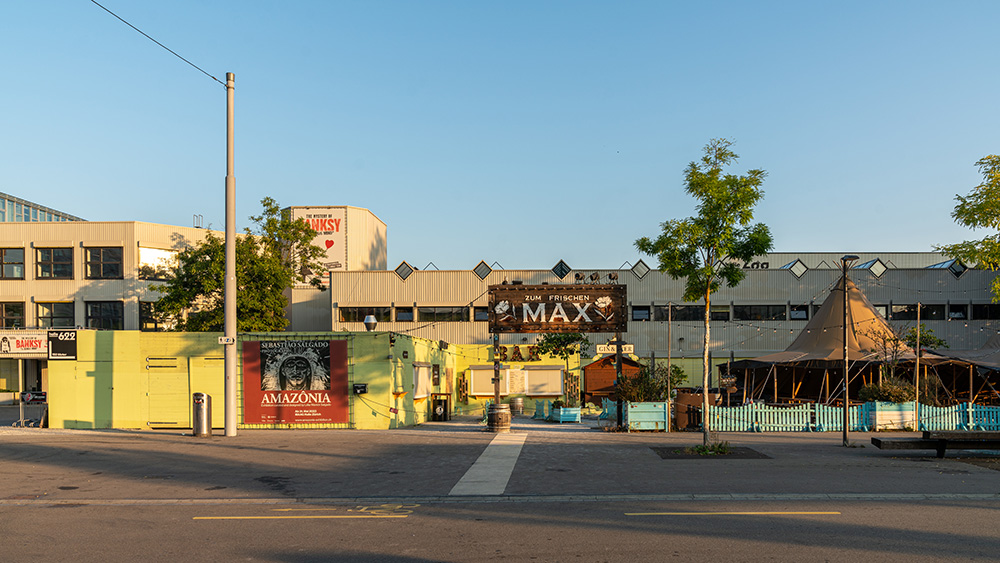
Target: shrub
{"type": "Point", "coordinates": [892, 390]}
{"type": "Point", "coordinates": [649, 384]}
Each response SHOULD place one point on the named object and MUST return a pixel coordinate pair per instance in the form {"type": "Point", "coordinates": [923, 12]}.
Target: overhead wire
{"type": "Point", "coordinates": [158, 43]}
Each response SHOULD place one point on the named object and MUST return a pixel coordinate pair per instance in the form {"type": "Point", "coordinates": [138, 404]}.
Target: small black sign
{"type": "Point", "coordinates": [33, 397]}
{"type": "Point", "coordinates": [360, 388]}
{"type": "Point", "coordinates": [62, 344]}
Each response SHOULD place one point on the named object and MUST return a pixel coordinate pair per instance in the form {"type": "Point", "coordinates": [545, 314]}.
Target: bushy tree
{"type": "Point", "coordinates": [563, 345]}
{"type": "Point", "coordinates": [270, 257]}
{"type": "Point", "coordinates": [649, 384]}
{"type": "Point", "coordinates": [710, 248]}
{"type": "Point", "coordinates": [980, 210]}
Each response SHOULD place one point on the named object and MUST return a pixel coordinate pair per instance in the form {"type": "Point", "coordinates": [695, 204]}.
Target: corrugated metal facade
{"type": "Point", "coordinates": [762, 286]}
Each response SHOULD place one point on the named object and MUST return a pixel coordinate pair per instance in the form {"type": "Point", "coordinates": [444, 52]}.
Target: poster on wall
{"type": "Point", "coordinates": [295, 382]}
{"type": "Point", "coordinates": [330, 224]}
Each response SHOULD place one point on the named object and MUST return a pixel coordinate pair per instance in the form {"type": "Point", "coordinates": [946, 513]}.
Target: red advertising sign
{"type": "Point", "coordinates": [295, 382]}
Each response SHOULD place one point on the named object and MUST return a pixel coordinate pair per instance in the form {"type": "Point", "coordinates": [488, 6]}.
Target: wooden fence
{"type": "Point", "coordinates": [868, 417]}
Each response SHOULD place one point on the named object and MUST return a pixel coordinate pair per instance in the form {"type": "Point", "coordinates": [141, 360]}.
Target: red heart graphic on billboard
{"type": "Point", "coordinates": [329, 243]}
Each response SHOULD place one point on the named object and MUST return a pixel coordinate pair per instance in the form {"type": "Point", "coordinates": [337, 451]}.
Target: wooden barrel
{"type": "Point", "coordinates": [498, 418]}
{"type": "Point", "coordinates": [517, 405]}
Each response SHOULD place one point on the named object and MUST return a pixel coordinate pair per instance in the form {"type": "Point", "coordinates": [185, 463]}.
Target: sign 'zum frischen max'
{"type": "Point", "coordinates": [557, 308]}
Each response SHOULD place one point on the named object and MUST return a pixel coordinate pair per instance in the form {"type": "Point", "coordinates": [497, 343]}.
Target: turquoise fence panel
{"type": "Point", "coordinates": [733, 419]}
{"type": "Point", "coordinates": [828, 419]}
{"type": "Point", "coordinates": [797, 418]}
{"type": "Point", "coordinates": [985, 418]}
{"type": "Point", "coordinates": [942, 418]}
{"type": "Point", "coordinates": [653, 416]}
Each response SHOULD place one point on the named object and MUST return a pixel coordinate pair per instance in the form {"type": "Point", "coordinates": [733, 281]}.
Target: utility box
{"type": "Point", "coordinates": [202, 415]}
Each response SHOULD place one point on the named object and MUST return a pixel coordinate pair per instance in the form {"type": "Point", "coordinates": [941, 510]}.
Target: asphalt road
{"type": "Point", "coordinates": [572, 493]}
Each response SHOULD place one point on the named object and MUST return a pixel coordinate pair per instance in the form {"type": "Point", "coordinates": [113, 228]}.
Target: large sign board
{"type": "Point", "coordinates": [330, 224]}
{"type": "Point", "coordinates": [295, 382]}
{"type": "Point", "coordinates": [557, 308]}
{"type": "Point", "coordinates": [24, 344]}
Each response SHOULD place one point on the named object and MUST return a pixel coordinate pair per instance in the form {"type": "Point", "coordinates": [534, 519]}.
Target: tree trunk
{"type": "Point", "coordinates": [706, 369]}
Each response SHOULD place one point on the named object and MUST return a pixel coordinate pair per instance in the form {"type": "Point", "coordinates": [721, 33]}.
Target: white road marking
{"type": "Point", "coordinates": [491, 472]}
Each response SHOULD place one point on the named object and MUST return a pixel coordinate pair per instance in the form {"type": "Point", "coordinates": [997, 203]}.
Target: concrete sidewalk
{"type": "Point", "coordinates": [552, 462]}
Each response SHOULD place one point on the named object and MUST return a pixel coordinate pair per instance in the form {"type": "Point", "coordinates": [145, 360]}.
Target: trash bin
{"type": "Point", "coordinates": [202, 404]}
{"type": "Point", "coordinates": [440, 407]}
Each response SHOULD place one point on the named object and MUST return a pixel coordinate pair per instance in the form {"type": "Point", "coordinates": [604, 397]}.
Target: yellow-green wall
{"type": "Point", "coordinates": [131, 379]}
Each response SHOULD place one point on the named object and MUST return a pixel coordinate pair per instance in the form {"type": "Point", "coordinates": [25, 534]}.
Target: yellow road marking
{"type": "Point", "coordinates": [317, 516]}
{"type": "Point", "coordinates": [731, 513]}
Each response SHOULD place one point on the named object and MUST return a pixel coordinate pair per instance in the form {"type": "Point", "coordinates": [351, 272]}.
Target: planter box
{"type": "Point", "coordinates": [893, 416]}
{"type": "Point", "coordinates": [565, 414]}
{"type": "Point", "coordinates": [654, 416]}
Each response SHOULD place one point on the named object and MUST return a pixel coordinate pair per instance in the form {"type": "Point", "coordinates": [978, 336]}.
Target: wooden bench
{"type": "Point", "coordinates": [940, 441]}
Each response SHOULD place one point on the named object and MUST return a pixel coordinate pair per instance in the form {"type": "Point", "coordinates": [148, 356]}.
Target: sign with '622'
{"type": "Point", "coordinates": [557, 308]}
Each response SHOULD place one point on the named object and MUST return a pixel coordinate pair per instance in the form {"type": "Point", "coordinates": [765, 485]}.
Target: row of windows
{"type": "Point", "coordinates": [100, 263]}
{"type": "Point", "coordinates": [105, 315]}
{"type": "Point", "coordinates": [687, 313]}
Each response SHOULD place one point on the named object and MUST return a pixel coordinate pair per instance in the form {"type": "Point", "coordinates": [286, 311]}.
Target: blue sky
{"type": "Point", "coordinates": [519, 133]}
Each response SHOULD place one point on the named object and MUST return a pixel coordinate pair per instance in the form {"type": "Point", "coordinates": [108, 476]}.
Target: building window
{"type": "Point", "coordinates": [442, 314]}
{"type": "Point", "coordinates": [156, 263]}
{"type": "Point", "coordinates": [909, 312]}
{"type": "Point", "coordinates": [881, 309]}
{"type": "Point", "coordinates": [640, 313]}
{"type": "Point", "coordinates": [986, 312]}
{"type": "Point", "coordinates": [55, 263]}
{"type": "Point", "coordinates": [13, 315]}
{"type": "Point", "coordinates": [759, 312]}
{"type": "Point", "coordinates": [12, 260]}
{"type": "Point", "coordinates": [932, 312]}
{"type": "Point", "coordinates": [958, 312]}
{"type": "Point", "coordinates": [103, 263]}
{"type": "Point", "coordinates": [798, 313]}
{"type": "Point", "coordinates": [55, 314]}
{"type": "Point", "coordinates": [679, 313]}
{"type": "Point", "coordinates": [404, 314]}
{"type": "Point", "coordinates": [147, 318]}
{"type": "Point", "coordinates": [717, 313]}
{"type": "Point", "coordinates": [106, 315]}
{"type": "Point", "coordinates": [358, 314]}
{"type": "Point", "coordinates": [481, 314]}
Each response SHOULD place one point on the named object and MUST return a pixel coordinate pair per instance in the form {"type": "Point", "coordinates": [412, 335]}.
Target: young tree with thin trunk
{"type": "Point", "coordinates": [710, 248]}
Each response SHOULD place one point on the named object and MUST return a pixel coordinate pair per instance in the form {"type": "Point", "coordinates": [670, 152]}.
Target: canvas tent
{"type": "Point", "coordinates": [811, 368]}
{"type": "Point", "coordinates": [965, 365]}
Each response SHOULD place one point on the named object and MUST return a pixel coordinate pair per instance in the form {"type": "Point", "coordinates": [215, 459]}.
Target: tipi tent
{"type": "Point", "coordinates": [812, 366]}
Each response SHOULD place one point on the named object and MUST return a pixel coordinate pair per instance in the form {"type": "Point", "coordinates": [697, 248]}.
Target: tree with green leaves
{"type": "Point", "coordinates": [710, 248]}
{"type": "Point", "coordinates": [980, 209]}
{"type": "Point", "coordinates": [270, 257]}
{"type": "Point", "coordinates": [563, 345]}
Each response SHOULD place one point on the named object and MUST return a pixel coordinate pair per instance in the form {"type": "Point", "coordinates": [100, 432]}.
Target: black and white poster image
{"type": "Point", "coordinates": [295, 365]}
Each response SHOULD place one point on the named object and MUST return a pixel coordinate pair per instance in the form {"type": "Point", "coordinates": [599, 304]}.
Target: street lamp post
{"type": "Point", "coordinates": [846, 263]}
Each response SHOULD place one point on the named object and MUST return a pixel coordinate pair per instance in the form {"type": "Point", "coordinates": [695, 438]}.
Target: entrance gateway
{"type": "Point", "coordinates": [518, 308]}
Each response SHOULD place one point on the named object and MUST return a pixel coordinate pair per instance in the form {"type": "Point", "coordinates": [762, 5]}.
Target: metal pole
{"type": "Point", "coordinates": [20, 389]}
{"type": "Point", "coordinates": [916, 377]}
{"type": "Point", "coordinates": [230, 284]}
{"type": "Point", "coordinates": [618, 376]}
{"type": "Point", "coordinates": [847, 402]}
{"type": "Point", "coordinates": [670, 338]}
{"type": "Point", "coordinates": [496, 369]}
